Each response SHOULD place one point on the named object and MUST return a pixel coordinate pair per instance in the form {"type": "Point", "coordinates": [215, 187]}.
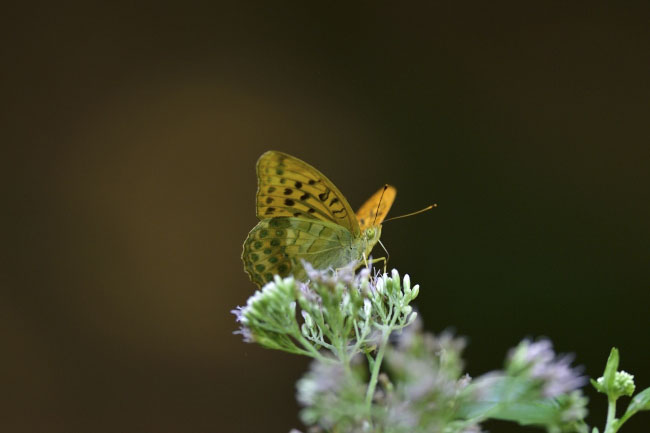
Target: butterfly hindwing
{"type": "Point", "coordinates": [375, 209]}
{"type": "Point", "coordinates": [289, 187]}
{"type": "Point", "coordinates": [276, 246]}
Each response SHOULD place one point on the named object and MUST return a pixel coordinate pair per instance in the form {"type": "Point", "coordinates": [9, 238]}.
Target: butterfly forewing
{"type": "Point", "coordinates": [289, 187]}
{"type": "Point", "coordinates": [276, 246]}
{"type": "Point", "coordinates": [375, 209]}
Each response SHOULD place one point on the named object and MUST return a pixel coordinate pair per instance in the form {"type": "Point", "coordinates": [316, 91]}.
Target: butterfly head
{"type": "Point", "coordinates": [371, 236]}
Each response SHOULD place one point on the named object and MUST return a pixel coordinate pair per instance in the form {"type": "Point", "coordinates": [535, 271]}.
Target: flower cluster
{"type": "Point", "coordinates": [342, 312]}
{"type": "Point", "coordinates": [427, 383]}
{"type": "Point", "coordinates": [418, 391]}
{"type": "Point", "coordinates": [536, 387]}
{"type": "Point", "coordinates": [376, 370]}
{"type": "Point", "coordinates": [537, 360]}
{"type": "Point", "coordinates": [332, 396]}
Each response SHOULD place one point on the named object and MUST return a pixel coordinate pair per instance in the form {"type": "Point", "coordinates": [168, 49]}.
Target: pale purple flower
{"type": "Point", "coordinates": [246, 334]}
{"type": "Point", "coordinates": [243, 330]}
{"type": "Point", "coordinates": [331, 277]}
{"type": "Point", "coordinates": [324, 380]}
{"type": "Point", "coordinates": [540, 361]}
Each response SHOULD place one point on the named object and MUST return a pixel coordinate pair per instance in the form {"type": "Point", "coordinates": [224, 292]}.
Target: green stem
{"type": "Point", "coordinates": [611, 416]}
{"type": "Point", "coordinates": [375, 369]}
{"type": "Point", "coordinates": [310, 349]}
{"type": "Point", "coordinates": [385, 333]}
{"type": "Point", "coordinates": [624, 418]}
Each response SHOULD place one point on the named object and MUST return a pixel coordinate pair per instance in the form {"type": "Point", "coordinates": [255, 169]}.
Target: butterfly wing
{"type": "Point", "coordinates": [289, 187]}
{"type": "Point", "coordinates": [277, 245]}
{"type": "Point", "coordinates": [375, 209]}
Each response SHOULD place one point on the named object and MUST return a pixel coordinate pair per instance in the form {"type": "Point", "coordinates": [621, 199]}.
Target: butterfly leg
{"type": "Point", "coordinates": [379, 259]}
{"type": "Point", "coordinates": [387, 255]}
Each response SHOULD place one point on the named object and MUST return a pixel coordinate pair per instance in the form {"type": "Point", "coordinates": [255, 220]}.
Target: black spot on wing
{"type": "Point", "coordinates": [279, 223]}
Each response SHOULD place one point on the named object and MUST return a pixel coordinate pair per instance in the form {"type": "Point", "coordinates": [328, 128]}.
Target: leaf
{"type": "Point", "coordinates": [597, 385]}
{"type": "Point", "coordinates": [610, 370]}
{"type": "Point", "coordinates": [641, 401]}
{"type": "Point", "coordinates": [509, 399]}
{"type": "Point", "coordinates": [535, 412]}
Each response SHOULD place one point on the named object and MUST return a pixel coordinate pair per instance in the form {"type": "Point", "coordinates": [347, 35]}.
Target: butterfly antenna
{"type": "Point", "coordinates": [413, 213]}
{"type": "Point", "coordinates": [379, 204]}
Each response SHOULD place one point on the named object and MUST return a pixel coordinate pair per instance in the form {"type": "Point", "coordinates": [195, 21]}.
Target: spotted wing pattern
{"type": "Point", "coordinates": [277, 245]}
{"type": "Point", "coordinates": [375, 209]}
{"type": "Point", "coordinates": [289, 187]}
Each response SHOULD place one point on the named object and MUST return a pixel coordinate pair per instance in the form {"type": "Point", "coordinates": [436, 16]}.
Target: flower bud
{"type": "Point", "coordinates": [308, 320]}
{"type": "Point", "coordinates": [345, 303]}
{"type": "Point", "coordinates": [624, 383]}
{"type": "Point", "coordinates": [395, 276]}
{"type": "Point", "coordinates": [415, 291]}
{"type": "Point", "coordinates": [367, 307]}
{"type": "Point", "coordinates": [379, 286]}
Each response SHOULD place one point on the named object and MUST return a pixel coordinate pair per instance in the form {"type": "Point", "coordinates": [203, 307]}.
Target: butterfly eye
{"type": "Point", "coordinates": [370, 232]}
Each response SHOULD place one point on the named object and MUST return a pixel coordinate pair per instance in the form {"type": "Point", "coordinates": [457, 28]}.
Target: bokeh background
{"type": "Point", "coordinates": [130, 134]}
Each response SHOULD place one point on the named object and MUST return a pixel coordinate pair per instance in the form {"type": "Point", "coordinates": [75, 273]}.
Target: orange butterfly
{"type": "Point", "coordinates": [305, 217]}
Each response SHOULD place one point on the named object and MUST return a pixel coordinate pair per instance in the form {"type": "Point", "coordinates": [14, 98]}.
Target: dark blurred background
{"type": "Point", "coordinates": [130, 134]}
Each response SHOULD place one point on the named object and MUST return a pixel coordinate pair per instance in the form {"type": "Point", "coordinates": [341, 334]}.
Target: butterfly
{"type": "Point", "coordinates": [304, 216]}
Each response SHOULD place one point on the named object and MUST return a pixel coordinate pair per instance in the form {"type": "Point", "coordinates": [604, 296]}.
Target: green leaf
{"type": "Point", "coordinates": [510, 399]}
{"type": "Point", "coordinates": [610, 370]}
{"type": "Point", "coordinates": [641, 401]}
{"type": "Point", "coordinates": [597, 385]}
{"type": "Point", "coordinates": [534, 412]}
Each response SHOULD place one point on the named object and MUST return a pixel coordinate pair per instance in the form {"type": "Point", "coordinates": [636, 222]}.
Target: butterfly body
{"type": "Point", "coordinates": [305, 217]}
